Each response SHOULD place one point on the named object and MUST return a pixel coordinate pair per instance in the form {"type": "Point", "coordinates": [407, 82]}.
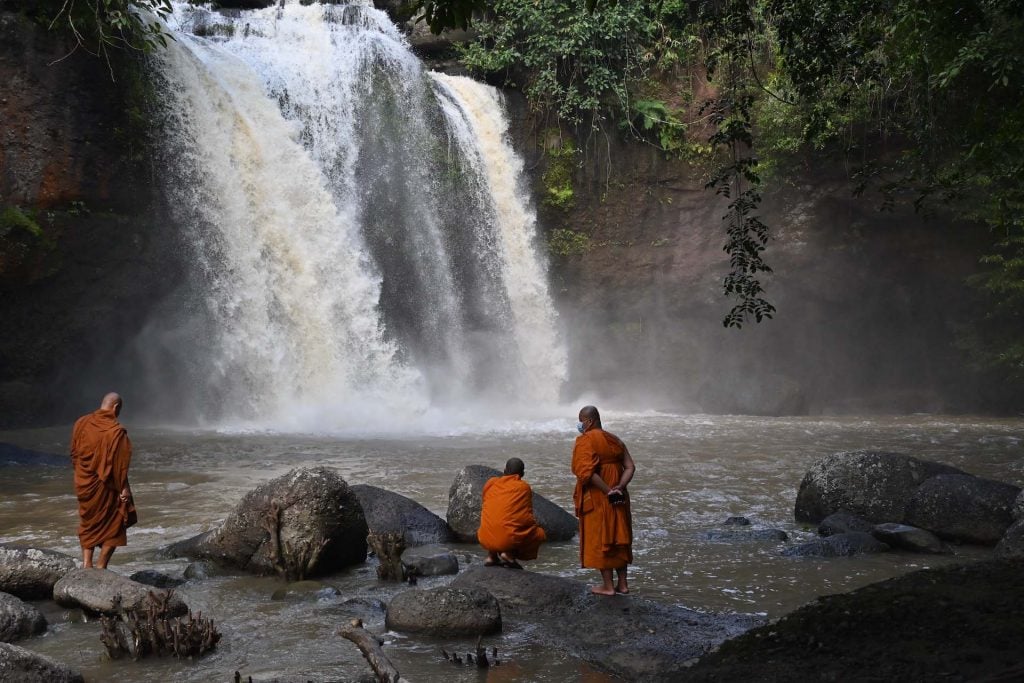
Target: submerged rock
{"type": "Point", "coordinates": [737, 521]}
{"type": "Point", "coordinates": [318, 518]}
{"type": "Point", "coordinates": [30, 573]}
{"type": "Point", "coordinates": [18, 619]}
{"type": "Point", "coordinates": [911, 538]}
{"type": "Point", "coordinates": [101, 590]}
{"type": "Point", "coordinates": [1012, 543]}
{"type": "Point", "coordinates": [843, 522]}
{"type": "Point", "coordinates": [447, 611]}
{"type": "Point", "coordinates": [745, 536]}
{"type": "Point", "coordinates": [466, 496]}
{"type": "Point", "coordinates": [429, 560]}
{"type": "Point", "coordinates": [25, 666]}
{"type": "Point", "coordinates": [151, 577]}
{"type": "Point", "coordinates": [388, 512]}
{"type": "Point", "coordinates": [874, 485]}
{"type": "Point", "coordinates": [839, 545]}
{"type": "Point", "coordinates": [960, 507]}
{"type": "Point", "coordinates": [636, 639]}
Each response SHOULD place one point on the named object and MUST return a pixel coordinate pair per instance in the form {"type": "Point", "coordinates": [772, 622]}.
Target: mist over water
{"type": "Point", "coordinates": [361, 243]}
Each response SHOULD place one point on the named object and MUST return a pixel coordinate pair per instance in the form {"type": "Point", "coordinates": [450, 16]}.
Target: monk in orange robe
{"type": "Point", "coordinates": [508, 530]}
{"type": "Point", "coordinates": [603, 467]}
{"type": "Point", "coordinates": [101, 453]}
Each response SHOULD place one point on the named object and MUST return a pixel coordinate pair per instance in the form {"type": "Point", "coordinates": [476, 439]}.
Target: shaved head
{"type": "Point", "coordinates": [589, 413]}
{"type": "Point", "coordinates": [112, 401]}
{"type": "Point", "coordinates": [515, 466]}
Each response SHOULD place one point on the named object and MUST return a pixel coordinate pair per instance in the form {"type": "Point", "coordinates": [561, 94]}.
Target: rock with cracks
{"type": "Point", "coordinates": [447, 611]}
{"type": "Point", "coordinates": [25, 666]}
{"type": "Point", "coordinates": [466, 496]}
{"type": "Point", "coordinates": [30, 573]}
{"type": "Point", "coordinates": [303, 524]}
{"type": "Point", "coordinates": [963, 508]}
{"type": "Point", "coordinates": [18, 619]}
{"type": "Point", "coordinates": [103, 591]}
{"type": "Point", "coordinates": [388, 512]}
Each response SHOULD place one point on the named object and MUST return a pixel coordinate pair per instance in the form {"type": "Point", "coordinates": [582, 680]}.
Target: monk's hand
{"type": "Point", "coordinates": [124, 495]}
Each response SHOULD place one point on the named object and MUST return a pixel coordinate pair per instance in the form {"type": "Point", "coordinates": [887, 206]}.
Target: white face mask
{"type": "Point", "coordinates": [580, 428]}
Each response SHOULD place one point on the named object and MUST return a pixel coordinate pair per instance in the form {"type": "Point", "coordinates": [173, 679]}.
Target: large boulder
{"type": "Point", "coordinates": [445, 611]}
{"type": "Point", "coordinates": [388, 512]}
{"type": "Point", "coordinates": [1012, 543]}
{"type": "Point", "coordinates": [466, 496]}
{"type": "Point", "coordinates": [106, 592]}
{"type": "Point", "coordinates": [25, 666]}
{"type": "Point", "coordinates": [838, 545]}
{"type": "Point", "coordinates": [963, 508]}
{"type": "Point", "coordinates": [874, 485]}
{"type": "Point", "coordinates": [317, 517]}
{"type": "Point", "coordinates": [19, 619]}
{"type": "Point", "coordinates": [633, 638]}
{"type": "Point", "coordinates": [843, 522]}
{"type": "Point", "coordinates": [429, 560]}
{"type": "Point", "coordinates": [30, 573]}
{"type": "Point", "coordinates": [906, 537]}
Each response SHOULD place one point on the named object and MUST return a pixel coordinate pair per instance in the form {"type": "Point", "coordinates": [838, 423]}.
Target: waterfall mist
{"type": "Point", "coordinates": [360, 242]}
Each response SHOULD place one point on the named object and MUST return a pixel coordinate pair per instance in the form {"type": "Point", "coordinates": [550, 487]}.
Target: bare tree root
{"type": "Point", "coordinates": [371, 648]}
{"type": "Point", "coordinates": [151, 631]}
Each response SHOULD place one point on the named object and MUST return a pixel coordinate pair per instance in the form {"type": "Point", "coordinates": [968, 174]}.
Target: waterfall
{"type": "Point", "coordinates": [361, 239]}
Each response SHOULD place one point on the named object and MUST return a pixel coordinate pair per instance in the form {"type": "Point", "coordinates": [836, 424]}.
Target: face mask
{"type": "Point", "coordinates": [580, 428]}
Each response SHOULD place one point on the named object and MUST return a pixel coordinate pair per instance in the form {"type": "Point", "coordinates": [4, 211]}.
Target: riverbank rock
{"type": "Point", "coordinates": [838, 545]}
{"type": "Point", "coordinates": [18, 619]}
{"type": "Point", "coordinates": [25, 666]}
{"type": "Point", "coordinates": [388, 512]}
{"type": "Point", "coordinates": [910, 538]}
{"type": "Point", "coordinates": [843, 522]}
{"type": "Point", "coordinates": [636, 639]}
{"type": "Point", "coordinates": [874, 485]}
{"type": "Point", "coordinates": [958, 623]}
{"type": "Point", "coordinates": [1012, 543]}
{"type": "Point", "coordinates": [466, 496]}
{"type": "Point", "coordinates": [429, 560]}
{"type": "Point", "coordinates": [101, 590]}
{"type": "Point", "coordinates": [157, 579]}
{"type": "Point", "coordinates": [30, 573]}
{"type": "Point", "coordinates": [446, 611]}
{"type": "Point", "coordinates": [318, 518]}
{"type": "Point", "coordinates": [963, 508]}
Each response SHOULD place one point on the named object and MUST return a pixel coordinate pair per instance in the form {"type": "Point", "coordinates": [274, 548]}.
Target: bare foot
{"type": "Point", "coordinates": [622, 590]}
{"type": "Point", "coordinates": [601, 590]}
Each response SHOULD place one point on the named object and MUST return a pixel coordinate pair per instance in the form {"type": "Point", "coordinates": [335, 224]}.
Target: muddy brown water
{"type": "Point", "coordinates": [693, 473]}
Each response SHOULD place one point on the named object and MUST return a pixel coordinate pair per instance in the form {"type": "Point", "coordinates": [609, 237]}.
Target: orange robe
{"type": "Point", "coordinates": [507, 524]}
{"type": "Point", "coordinates": [101, 453]}
{"type": "Point", "coordinates": [606, 530]}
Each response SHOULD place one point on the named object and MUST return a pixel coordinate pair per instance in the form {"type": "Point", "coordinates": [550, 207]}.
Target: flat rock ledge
{"type": "Point", "coordinates": [19, 619]}
{"type": "Point", "coordinates": [446, 611]}
{"type": "Point", "coordinates": [636, 639]}
{"type": "Point", "coordinates": [30, 573]}
{"type": "Point", "coordinates": [25, 666]}
{"type": "Point", "coordinates": [103, 591]}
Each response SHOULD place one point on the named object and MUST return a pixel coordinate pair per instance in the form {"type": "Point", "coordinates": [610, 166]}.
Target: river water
{"type": "Point", "coordinates": [693, 472]}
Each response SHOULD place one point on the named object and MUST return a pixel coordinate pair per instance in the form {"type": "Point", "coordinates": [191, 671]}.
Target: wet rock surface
{"type": "Point", "coordinates": [636, 639]}
{"type": "Point", "coordinates": [30, 573]}
{"type": "Point", "coordinates": [25, 666]}
{"type": "Point", "coordinates": [953, 623]}
{"type": "Point", "coordinates": [429, 560]}
{"type": "Point", "coordinates": [13, 455]}
{"type": "Point", "coordinates": [106, 592]}
{"type": "Point", "coordinates": [448, 611]}
{"type": "Point", "coordinates": [1012, 543]}
{"type": "Point", "coordinates": [838, 545]}
{"type": "Point", "coordinates": [466, 496]}
{"type": "Point", "coordinates": [320, 524]}
{"type": "Point", "coordinates": [906, 537]}
{"type": "Point", "coordinates": [157, 579]}
{"type": "Point", "coordinates": [745, 535]}
{"type": "Point", "coordinates": [388, 512]}
{"type": "Point", "coordinates": [18, 619]}
{"type": "Point", "coordinates": [963, 508]}
{"type": "Point", "coordinates": [843, 522]}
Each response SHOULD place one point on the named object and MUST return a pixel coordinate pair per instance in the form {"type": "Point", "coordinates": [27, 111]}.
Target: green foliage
{"type": "Point", "coordinates": [558, 178]}
{"type": "Point", "coordinates": [19, 225]}
{"type": "Point", "coordinates": [565, 242]}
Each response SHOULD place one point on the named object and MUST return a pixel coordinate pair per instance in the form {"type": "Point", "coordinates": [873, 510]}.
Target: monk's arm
{"type": "Point", "coordinates": [628, 470]}
{"type": "Point", "coordinates": [119, 470]}
{"type": "Point", "coordinates": [599, 483]}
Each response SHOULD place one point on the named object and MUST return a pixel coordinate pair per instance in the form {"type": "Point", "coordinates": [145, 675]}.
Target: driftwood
{"type": "Point", "coordinates": [388, 547]}
{"type": "Point", "coordinates": [371, 648]}
{"type": "Point", "coordinates": [291, 563]}
{"type": "Point", "coordinates": [150, 631]}
{"type": "Point", "coordinates": [481, 660]}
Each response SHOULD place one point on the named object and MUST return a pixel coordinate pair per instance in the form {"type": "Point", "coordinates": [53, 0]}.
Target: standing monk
{"type": "Point", "coordinates": [508, 530]}
{"type": "Point", "coordinates": [101, 453]}
{"type": "Point", "coordinates": [603, 468]}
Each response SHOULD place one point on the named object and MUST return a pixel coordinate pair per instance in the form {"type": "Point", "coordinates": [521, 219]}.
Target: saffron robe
{"type": "Point", "coordinates": [101, 453]}
{"type": "Point", "coordinates": [606, 530]}
{"type": "Point", "coordinates": [507, 524]}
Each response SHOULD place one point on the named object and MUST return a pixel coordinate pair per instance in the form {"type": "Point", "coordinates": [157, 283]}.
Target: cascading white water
{"type": "Point", "coordinates": [362, 241]}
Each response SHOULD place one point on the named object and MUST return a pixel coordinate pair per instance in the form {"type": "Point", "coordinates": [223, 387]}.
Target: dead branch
{"type": "Point", "coordinates": [371, 648]}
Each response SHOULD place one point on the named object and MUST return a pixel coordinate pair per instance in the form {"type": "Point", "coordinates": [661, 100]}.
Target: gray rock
{"type": "Point", "coordinates": [202, 570]}
{"type": "Point", "coordinates": [317, 507]}
{"type": "Point", "coordinates": [30, 573]}
{"type": "Point", "coordinates": [843, 522]}
{"type": "Point", "coordinates": [963, 508]}
{"type": "Point", "coordinates": [429, 560]}
{"type": "Point", "coordinates": [1018, 507]}
{"type": "Point", "coordinates": [839, 545]}
{"type": "Point", "coordinates": [151, 577]}
{"type": "Point", "coordinates": [633, 638]}
{"type": "Point", "coordinates": [445, 611]}
{"type": "Point", "coordinates": [911, 538]}
{"type": "Point", "coordinates": [388, 512]}
{"type": "Point", "coordinates": [101, 590]}
{"type": "Point", "coordinates": [465, 498]}
{"type": "Point", "coordinates": [871, 484]}
{"type": "Point", "coordinates": [745, 535]}
{"type": "Point", "coordinates": [737, 521]}
{"type": "Point", "coordinates": [25, 666]}
{"type": "Point", "coordinates": [19, 619]}
{"type": "Point", "coordinates": [1012, 543]}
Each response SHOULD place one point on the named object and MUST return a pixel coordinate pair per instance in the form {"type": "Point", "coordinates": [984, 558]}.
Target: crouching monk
{"type": "Point", "coordinates": [603, 468]}
{"type": "Point", "coordinates": [508, 530]}
{"type": "Point", "coordinates": [101, 453]}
